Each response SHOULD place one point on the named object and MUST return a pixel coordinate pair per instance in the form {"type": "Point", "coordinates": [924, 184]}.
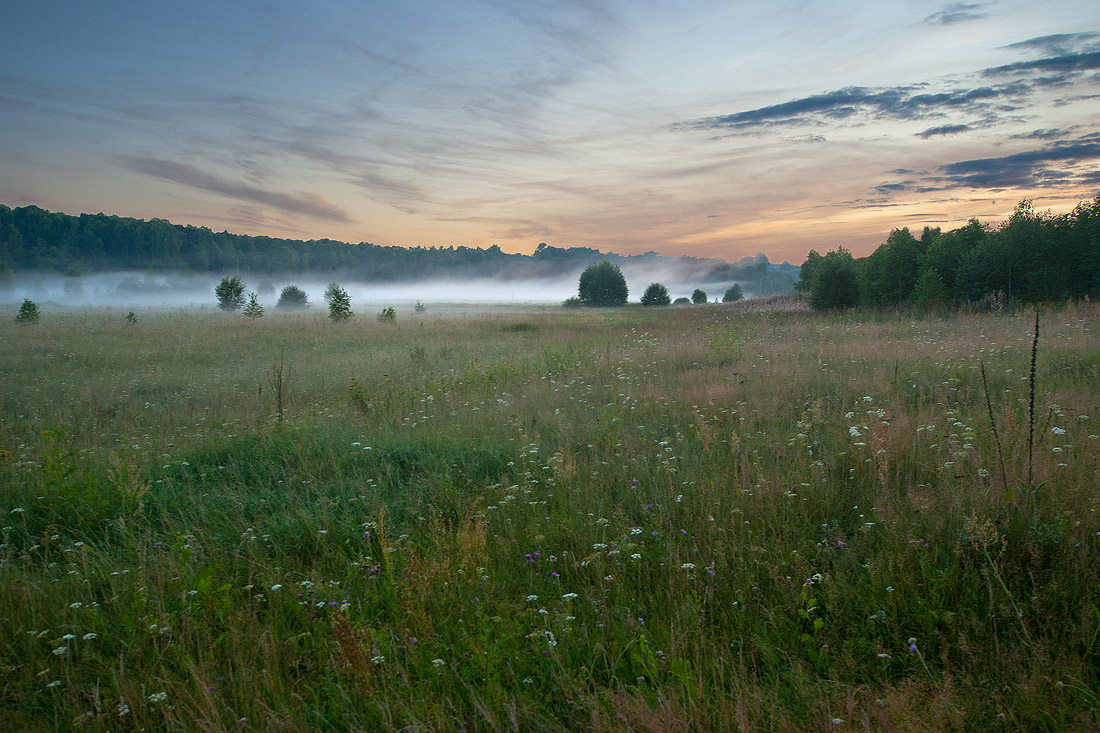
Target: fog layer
{"type": "Point", "coordinates": [184, 290]}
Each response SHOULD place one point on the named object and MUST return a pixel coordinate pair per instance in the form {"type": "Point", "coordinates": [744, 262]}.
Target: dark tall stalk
{"type": "Point", "coordinates": [278, 384]}
{"type": "Point", "coordinates": [993, 425]}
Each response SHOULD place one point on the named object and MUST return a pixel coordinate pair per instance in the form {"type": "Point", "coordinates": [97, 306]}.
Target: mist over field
{"type": "Point", "coordinates": [186, 289]}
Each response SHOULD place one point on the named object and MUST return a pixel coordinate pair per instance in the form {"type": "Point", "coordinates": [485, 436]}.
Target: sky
{"type": "Point", "coordinates": [699, 127]}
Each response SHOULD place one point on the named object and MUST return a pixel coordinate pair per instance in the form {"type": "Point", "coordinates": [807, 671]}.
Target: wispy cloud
{"type": "Point", "coordinates": [1045, 134]}
{"type": "Point", "coordinates": [943, 130]}
{"type": "Point", "coordinates": [1042, 167]}
{"type": "Point", "coordinates": [899, 103]}
{"type": "Point", "coordinates": [1057, 164]}
{"type": "Point", "coordinates": [1059, 44]}
{"type": "Point", "coordinates": [1066, 63]}
{"type": "Point", "coordinates": [958, 13]}
{"type": "Point", "coordinates": [306, 203]}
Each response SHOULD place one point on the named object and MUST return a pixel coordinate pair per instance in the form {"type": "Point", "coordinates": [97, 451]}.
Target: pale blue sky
{"type": "Point", "coordinates": [707, 128]}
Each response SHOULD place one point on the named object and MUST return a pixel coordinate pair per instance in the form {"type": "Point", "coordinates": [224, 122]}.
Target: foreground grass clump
{"type": "Point", "coordinates": [696, 519]}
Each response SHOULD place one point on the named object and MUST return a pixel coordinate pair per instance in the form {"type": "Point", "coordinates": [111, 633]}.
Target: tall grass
{"type": "Point", "coordinates": [668, 519]}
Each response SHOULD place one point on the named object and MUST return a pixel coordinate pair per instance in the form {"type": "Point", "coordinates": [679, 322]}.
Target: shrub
{"type": "Point", "coordinates": [253, 310]}
{"type": "Point", "coordinates": [28, 312]}
{"type": "Point", "coordinates": [573, 302]}
{"type": "Point", "coordinates": [656, 294]}
{"type": "Point", "coordinates": [420, 307]}
{"type": "Point", "coordinates": [733, 294]}
{"type": "Point", "coordinates": [682, 301]}
{"type": "Point", "coordinates": [388, 315]}
{"type": "Point", "coordinates": [603, 285]}
{"type": "Point", "coordinates": [293, 297]}
{"type": "Point", "coordinates": [699, 296]}
{"type": "Point", "coordinates": [131, 318]}
{"type": "Point", "coordinates": [230, 293]}
{"type": "Point", "coordinates": [339, 303]}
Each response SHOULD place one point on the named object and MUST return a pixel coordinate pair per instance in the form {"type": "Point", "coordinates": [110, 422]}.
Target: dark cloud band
{"type": "Point", "coordinates": [309, 204]}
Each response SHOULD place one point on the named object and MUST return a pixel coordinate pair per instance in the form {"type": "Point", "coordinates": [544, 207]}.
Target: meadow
{"type": "Point", "coordinates": [672, 519]}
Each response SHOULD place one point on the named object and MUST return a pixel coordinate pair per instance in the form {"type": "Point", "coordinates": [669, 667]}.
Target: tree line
{"type": "Point", "coordinates": [33, 239]}
{"type": "Point", "coordinates": [1032, 257]}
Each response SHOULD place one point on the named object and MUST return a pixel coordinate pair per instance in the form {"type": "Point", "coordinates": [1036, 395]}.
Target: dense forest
{"type": "Point", "coordinates": [35, 240]}
{"type": "Point", "coordinates": [1032, 257]}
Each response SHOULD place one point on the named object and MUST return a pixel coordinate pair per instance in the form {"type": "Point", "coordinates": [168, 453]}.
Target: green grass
{"type": "Point", "coordinates": [643, 519]}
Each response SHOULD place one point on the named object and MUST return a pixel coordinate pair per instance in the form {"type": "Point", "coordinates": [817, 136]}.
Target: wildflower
{"type": "Point", "coordinates": [438, 662]}
{"type": "Point", "coordinates": [688, 566]}
{"type": "Point", "coordinates": [378, 659]}
{"type": "Point", "coordinates": [17, 510]}
{"type": "Point", "coordinates": [158, 696]}
{"type": "Point", "coordinates": [854, 432]}
{"type": "Point", "coordinates": [532, 598]}
{"type": "Point", "coordinates": [277, 586]}
{"type": "Point", "coordinates": [123, 708]}
{"type": "Point", "coordinates": [55, 683]}
{"type": "Point", "coordinates": [78, 604]}
{"type": "Point", "coordinates": [60, 650]}
{"type": "Point", "coordinates": [1058, 431]}
{"type": "Point", "coordinates": [636, 556]}
{"type": "Point", "coordinates": [569, 596]}
{"type": "Point", "coordinates": [912, 644]}
{"type": "Point", "coordinates": [68, 637]}
{"type": "Point", "coordinates": [89, 636]}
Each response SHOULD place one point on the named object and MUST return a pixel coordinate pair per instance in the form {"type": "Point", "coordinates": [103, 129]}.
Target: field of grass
{"type": "Point", "coordinates": [535, 519]}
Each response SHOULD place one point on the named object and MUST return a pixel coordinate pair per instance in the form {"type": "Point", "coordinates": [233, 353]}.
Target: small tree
{"type": "Point", "coordinates": [131, 319]}
{"type": "Point", "coordinates": [28, 312]}
{"type": "Point", "coordinates": [656, 294]}
{"type": "Point", "coordinates": [420, 307]}
{"type": "Point", "coordinates": [733, 294]}
{"type": "Point", "coordinates": [230, 292]}
{"type": "Point", "coordinates": [388, 315]}
{"type": "Point", "coordinates": [603, 285]}
{"type": "Point", "coordinates": [339, 303]}
{"type": "Point", "coordinates": [253, 309]}
{"type": "Point", "coordinates": [682, 301]}
{"type": "Point", "coordinates": [699, 296]}
{"type": "Point", "coordinates": [293, 297]}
